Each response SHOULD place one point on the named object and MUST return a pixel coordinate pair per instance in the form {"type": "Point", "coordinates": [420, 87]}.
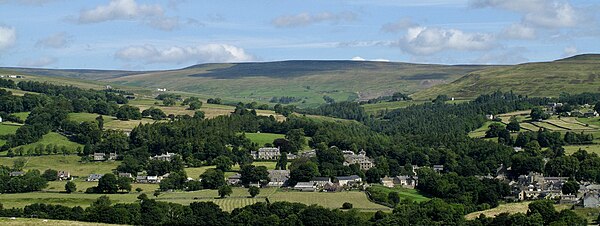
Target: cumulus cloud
{"type": "Point", "coordinates": [519, 31]}
{"type": "Point", "coordinates": [150, 14]}
{"type": "Point", "coordinates": [398, 26]}
{"type": "Point", "coordinates": [542, 13]}
{"type": "Point", "coordinates": [211, 53]}
{"type": "Point", "coordinates": [39, 62]}
{"type": "Point", "coordinates": [8, 36]}
{"type": "Point", "coordinates": [306, 19]}
{"type": "Point", "coordinates": [57, 41]}
{"type": "Point", "coordinates": [357, 58]}
{"type": "Point", "coordinates": [570, 51]}
{"type": "Point", "coordinates": [426, 41]}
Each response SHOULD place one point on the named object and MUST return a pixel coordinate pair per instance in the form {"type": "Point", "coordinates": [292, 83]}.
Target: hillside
{"type": "Point", "coordinates": [308, 81]}
{"type": "Point", "coordinates": [573, 75]}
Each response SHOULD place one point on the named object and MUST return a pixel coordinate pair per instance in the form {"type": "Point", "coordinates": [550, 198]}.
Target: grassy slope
{"type": "Point", "coordinates": [312, 81]}
{"type": "Point", "coordinates": [263, 138]}
{"type": "Point", "coordinates": [573, 75]}
{"type": "Point", "coordinates": [35, 222]}
{"type": "Point", "coordinates": [7, 128]}
{"type": "Point", "coordinates": [59, 162]}
{"type": "Point", "coordinates": [53, 138]}
{"type": "Point", "coordinates": [520, 207]}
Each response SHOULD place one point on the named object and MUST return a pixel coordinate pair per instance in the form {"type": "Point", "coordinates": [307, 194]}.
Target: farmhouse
{"type": "Point", "coordinates": [234, 179]}
{"type": "Point", "coordinates": [266, 153]}
{"type": "Point", "coordinates": [278, 178]}
{"type": "Point", "coordinates": [63, 175]}
{"type": "Point", "coordinates": [128, 175]}
{"type": "Point", "coordinates": [164, 157]}
{"type": "Point", "coordinates": [17, 173]}
{"type": "Point", "coordinates": [94, 177]}
{"type": "Point", "coordinates": [404, 181]}
{"type": "Point", "coordinates": [305, 186]}
{"type": "Point", "coordinates": [0, 119]}
{"type": "Point", "coordinates": [148, 179]}
{"type": "Point", "coordinates": [489, 117]}
{"type": "Point", "coordinates": [349, 180]}
{"type": "Point", "coordinates": [590, 114]}
{"type": "Point", "coordinates": [361, 159]}
{"type": "Point", "coordinates": [103, 157]}
{"type": "Point", "coordinates": [438, 168]}
{"type": "Point", "coordinates": [320, 181]}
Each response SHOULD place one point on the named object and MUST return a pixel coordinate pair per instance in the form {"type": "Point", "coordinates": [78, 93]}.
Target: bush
{"type": "Point", "coordinates": [347, 206]}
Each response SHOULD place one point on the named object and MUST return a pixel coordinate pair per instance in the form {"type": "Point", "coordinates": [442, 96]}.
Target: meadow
{"type": "Point", "coordinates": [7, 128]}
{"type": "Point", "coordinates": [60, 162]}
{"type": "Point", "coordinates": [239, 198]}
{"type": "Point", "coordinates": [512, 208]}
{"type": "Point", "coordinates": [54, 139]}
{"type": "Point", "coordinates": [263, 138]}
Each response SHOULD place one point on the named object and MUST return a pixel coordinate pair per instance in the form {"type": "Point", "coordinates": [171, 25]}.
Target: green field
{"type": "Point", "coordinates": [404, 193]}
{"type": "Point", "coordinates": [60, 162]}
{"type": "Point", "coordinates": [52, 138]}
{"type": "Point", "coordinates": [263, 138]}
{"type": "Point", "coordinates": [548, 79]}
{"type": "Point", "coordinates": [239, 198]}
{"type": "Point", "coordinates": [35, 222]}
{"type": "Point", "coordinates": [195, 172]}
{"type": "Point", "coordinates": [7, 128]}
{"type": "Point", "coordinates": [22, 115]}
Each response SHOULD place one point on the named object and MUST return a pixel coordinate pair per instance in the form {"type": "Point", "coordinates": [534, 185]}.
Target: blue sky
{"type": "Point", "coordinates": [168, 34]}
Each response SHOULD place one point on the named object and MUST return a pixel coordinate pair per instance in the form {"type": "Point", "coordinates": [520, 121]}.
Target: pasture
{"type": "Point", "coordinates": [52, 138]}
{"type": "Point", "coordinates": [239, 198]}
{"type": "Point", "coordinates": [7, 128]}
{"type": "Point", "coordinates": [60, 162]}
{"type": "Point", "coordinates": [263, 138]}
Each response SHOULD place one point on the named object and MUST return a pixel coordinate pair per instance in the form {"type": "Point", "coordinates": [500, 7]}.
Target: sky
{"type": "Point", "coordinates": [171, 34]}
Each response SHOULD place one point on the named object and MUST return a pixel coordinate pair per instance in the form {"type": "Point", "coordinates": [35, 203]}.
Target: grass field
{"type": "Point", "coordinates": [36, 222]}
{"type": "Point", "coordinates": [60, 162]}
{"type": "Point", "coordinates": [239, 198]}
{"type": "Point", "coordinates": [592, 148]}
{"type": "Point", "coordinates": [195, 172]}
{"type": "Point", "coordinates": [263, 138]}
{"type": "Point", "coordinates": [404, 193]}
{"type": "Point", "coordinates": [7, 128]}
{"type": "Point", "coordinates": [52, 138]}
{"type": "Point", "coordinates": [22, 115]}
{"type": "Point", "coordinates": [520, 207]}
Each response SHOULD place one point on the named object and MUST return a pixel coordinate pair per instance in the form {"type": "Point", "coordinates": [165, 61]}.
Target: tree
{"type": "Point", "coordinates": [494, 130]}
{"type": "Point", "coordinates": [156, 193]}
{"type": "Point", "coordinates": [70, 187]}
{"type": "Point", "coordinates": [254, 174]}
{"type": "Point", "coordinates": [138, 190]}
{"type": "Point", "coordinates": [597, 107]}
{"type": "Point", "coordinates": [393, 198]}
{"type": "Point", "coordinates": [537, 113]}
{"type": "Point", "coordinates": [124, 184]}
{"type": "Point", "coordinates": [108, 184]}
{"type": "Point", "coordinates": [223, 163]}
{"type": "Point", "coordinates": [195, 105]}
{"type": "Point", "coordinates": [347, 206]}
{"type": "Point", "coordinates": [373, 175]}
{"type": "Point", "coordinates": [303, 170]}
{"type": "Point", "coordinates": [169, 102]}
{"type": "Point", "coordinates": [570, 187]}
{"type": "Point", "coordinates": [296, 139]}
{"type": "Point", "coordinates": [254, 191]}
{"type": "Point", "coordinates": [545, 208]}
{"type": "Point", "coordinates": [127, 112]}
{"type": "Point", "coordinates": [225, 190]}
{"type": "Point", "coordinates": [50, 175]}
{"type": "Point", "coordinates": [513, 125]}
{"type": "Point", "coordinates": [282, 162]}
{"type": "Point", "coordinates": [212, 179]}
{"type": "Point", "coordinates": [18, 164]}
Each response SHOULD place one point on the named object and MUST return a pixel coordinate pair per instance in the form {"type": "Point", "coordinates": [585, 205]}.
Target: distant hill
{"type": "Point", "coordinates": [88, 74]}
{"type": "Point", "coordinates": [573, 75]}
{"type": "Point", "coordinates": [307, 80]}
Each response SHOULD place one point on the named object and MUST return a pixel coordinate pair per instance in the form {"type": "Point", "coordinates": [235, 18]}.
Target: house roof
{"type": "Point", "coordinates": [351, 177]}
{"type": "Point", "coordinates": [304, 185]}
{"type": "Point", "coordinates": [321, 179]}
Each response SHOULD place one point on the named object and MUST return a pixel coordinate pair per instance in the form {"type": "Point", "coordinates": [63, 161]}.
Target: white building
{"type": "Point", "coordinates": [360, 159]}
{"type": "Point", "coordinates": [266, 153]}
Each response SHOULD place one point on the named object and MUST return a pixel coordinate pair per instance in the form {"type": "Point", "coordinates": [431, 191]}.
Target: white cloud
{"type": "Point", "coordinates": [427, 41]}
{"type": "Point", "coordinates": [398, 26]}
{"type": "Point", "coordinates": [542, 13]}
{"type": "Point", "coordinates": [570, 51]}
{"type": "Point", "coordinates": [39, 62]}
{"type": "Point", "coordinates": [152, 15]}
{"type": "Point", "coordinates": [8, 37]}
{"type": "Point", "coordinates": [357, 58]}
{"type": "Point", "coordinates": [211, 53]}
{"type": "Point", "coordinates": [519, 31]}
{"type": "Point", "coordinates": [57, 41]}
{"type": "Point", "coordinates": [306, 19]}
{"type": "Point", "coordinates": [28, 2]}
